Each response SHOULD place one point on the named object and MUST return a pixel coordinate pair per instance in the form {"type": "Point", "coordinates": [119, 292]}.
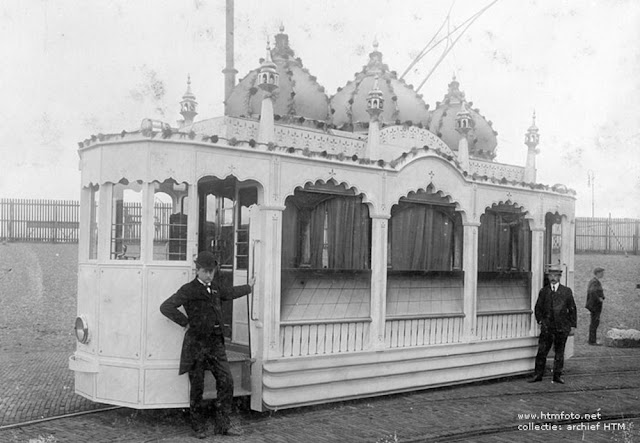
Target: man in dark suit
{"type": "Point", "coordinates": [595, 297]}
{"type": "Point", "coordinates": [203, 345]}
{"type": "Point", "coordinates": [556, 314]}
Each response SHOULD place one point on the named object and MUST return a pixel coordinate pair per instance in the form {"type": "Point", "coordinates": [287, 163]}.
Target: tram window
{"type": "Point", "coordinates": [323, 231]}
{"type": "Point", "coordinates": [126, 221]}
{"type": "Point", "coordinates": [504, 242]}
{"type": "Point", "coordinates": [93, 222]}
{"type": "Point", "coordinates": [217, 232]}
{"type": "Point", "coordinates": [169, 221]}
{"type": "Point", "coordinates": [553, 239]}
{"type": "Point", "coordinates": [423, 237]}
{"type": "Point", "coordinates": [246, 198]}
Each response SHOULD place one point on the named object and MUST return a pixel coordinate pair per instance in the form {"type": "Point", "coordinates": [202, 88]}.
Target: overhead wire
{"type": "Point", "coordinates": [449, 45]}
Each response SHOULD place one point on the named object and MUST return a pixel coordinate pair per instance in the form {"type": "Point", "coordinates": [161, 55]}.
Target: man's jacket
{"type": "Point", "coordinates": [595, 295]}
{"type": "Point", "coordinates": [556, 310]}
{"type": "Point", "coordinates": [204, 316]}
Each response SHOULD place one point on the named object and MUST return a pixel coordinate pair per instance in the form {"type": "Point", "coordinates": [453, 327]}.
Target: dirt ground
{"type": "Point", "coordinates": [622, 303]}
{"type": "Point", "coordinates": [38, 285]}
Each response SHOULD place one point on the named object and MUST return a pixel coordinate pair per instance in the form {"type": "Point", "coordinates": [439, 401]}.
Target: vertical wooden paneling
{"type": "Point", "coordinates": [423, 331]}
{"type": "Point", "coordinates": [343, 342]}
{"type": "Point", "coordinates": [420, 332]}
{"type": "Point", "coordinates": [304, 339]}
{"type": "Point", "coordinates": [325, 338]}
{"type": "Point", "coordinates": [496, 326]}
{"type": "Point", "coordinates": [360, 336]}
{"type": "Point", "coordinates": [295, 345]}
{"type": "Point", "coordinates": [313, 339]}
{"type": "Point", "coordinates": [335, 342]}
{"type": "Point", "coordinates": [322, 339]}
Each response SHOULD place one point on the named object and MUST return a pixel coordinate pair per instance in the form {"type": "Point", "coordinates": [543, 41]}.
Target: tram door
{"type": "Point", "coordinates": [224, 230]}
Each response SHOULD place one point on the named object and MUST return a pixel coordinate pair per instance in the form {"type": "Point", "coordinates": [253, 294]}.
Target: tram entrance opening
{"type": "Point", "coordinates": [224, 230]}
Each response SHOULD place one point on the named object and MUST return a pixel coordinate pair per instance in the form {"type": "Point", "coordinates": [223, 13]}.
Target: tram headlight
{"type": "Point", "coordinates": [82, 329]}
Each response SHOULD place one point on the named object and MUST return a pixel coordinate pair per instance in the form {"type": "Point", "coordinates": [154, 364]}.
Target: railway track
{"type": "Point", "coordinates": [476, 434]}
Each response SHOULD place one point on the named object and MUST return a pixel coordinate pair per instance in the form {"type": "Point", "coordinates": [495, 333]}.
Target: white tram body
{"type": "Point", "coordinates": [389, 255]}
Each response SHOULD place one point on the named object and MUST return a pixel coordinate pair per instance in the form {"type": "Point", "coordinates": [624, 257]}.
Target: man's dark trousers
{"type": "Point", "coordinates": [215, 360]}
{"type": "Point", "coordinates": [593, 326]}
{"type": "Point", "coordinates": [551, 336]}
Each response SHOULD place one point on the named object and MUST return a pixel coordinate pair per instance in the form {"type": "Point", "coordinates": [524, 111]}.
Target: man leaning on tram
{"type": "Point", "coordinates": [203, 345]}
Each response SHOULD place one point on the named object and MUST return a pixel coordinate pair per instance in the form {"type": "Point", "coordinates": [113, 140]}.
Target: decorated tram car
{"type": "Point", "coordinates": [391, 252]}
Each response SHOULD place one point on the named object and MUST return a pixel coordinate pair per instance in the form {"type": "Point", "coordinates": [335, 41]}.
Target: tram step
{"type": "Point", "coordinates": [240, 365]}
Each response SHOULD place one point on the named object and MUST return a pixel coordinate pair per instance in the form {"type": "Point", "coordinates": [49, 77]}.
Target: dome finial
{"type": "Point", "coordinates": [375, 43]}
{"type": "Point", "coordinates": [281, 49]}
{"type": "Point", "coordinates": [454, 95]}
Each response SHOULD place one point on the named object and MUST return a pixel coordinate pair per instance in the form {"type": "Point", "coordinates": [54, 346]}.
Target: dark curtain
{"type": "Point", "coordinates": [316, 232]}
{"type": "Point", "coordinates": [422, 238]}
{"type": "Point", "coordinates": [504, 243]}
{"type": "Point", "coordinates": [290, 238]}
{"type": "Point", "coordinates": [348, 231]}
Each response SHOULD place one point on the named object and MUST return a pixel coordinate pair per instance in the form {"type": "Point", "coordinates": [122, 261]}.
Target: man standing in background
{"type": "Point", "coordinates": [595, 297]}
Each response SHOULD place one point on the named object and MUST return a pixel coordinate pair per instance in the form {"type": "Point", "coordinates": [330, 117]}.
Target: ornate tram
{"type": "Point", "coordinates": [391, 252]}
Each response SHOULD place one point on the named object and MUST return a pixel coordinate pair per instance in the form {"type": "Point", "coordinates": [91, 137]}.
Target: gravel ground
{"type": "Point", "coordinates": [622, 303]}
{"type": "Point", "coordinates": [38, 286]}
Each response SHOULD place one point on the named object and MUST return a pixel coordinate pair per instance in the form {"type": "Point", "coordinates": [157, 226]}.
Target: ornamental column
{"type": "Point", "coordinates": [188, 105]}
{"type": "Point", "coordinates": [567, 250]}
{"type": "Point", "coordinates": [537, 271]}
{"type": "Point", "coordinates": [268, 79]}
{"type": "Point", "coordinates": [464, 124]}
{"type": "Point", "coordinates": [375, 106]}
{"type": "Point", "coordinates": [268, 294]}
{"type": "Point", "coordinates": [470, 268]}
{"type": "Point", "coordinates": [379, 235]}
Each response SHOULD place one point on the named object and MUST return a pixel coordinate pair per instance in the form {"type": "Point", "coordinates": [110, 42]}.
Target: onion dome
{"type": "Point", "coordinates": [402, 103]}
{"type": "Point", "coordinates": [298, 97]}
{"type": "Point", "coordinates": [481, 136]}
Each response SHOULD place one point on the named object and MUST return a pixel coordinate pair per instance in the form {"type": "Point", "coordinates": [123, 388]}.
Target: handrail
{"type": "Point", "coordinates": [512, 311]}
{"type": "Point", "coordinates": [325, 321]}
{"type": "Point", "coordinates": [426, 316]}
{"type": "Point", "coordinates": [253, 275]}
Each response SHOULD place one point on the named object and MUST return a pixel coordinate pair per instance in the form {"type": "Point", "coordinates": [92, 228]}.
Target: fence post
{"type": "Point", "coordinates": [55, 223]}
{"type": "Point", "coordinates": [11, 220]}
{"type": "Point", "coordinates": [635, 237]}
{"type": "Point", "coordinates": [608, 244]}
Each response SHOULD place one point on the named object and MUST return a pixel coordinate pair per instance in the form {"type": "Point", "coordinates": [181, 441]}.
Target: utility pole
{"type": "Point", "coordinates": [591, 181]}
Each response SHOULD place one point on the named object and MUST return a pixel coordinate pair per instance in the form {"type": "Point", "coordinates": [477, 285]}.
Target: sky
{"type": "Point", "coordinates": [73, 68]}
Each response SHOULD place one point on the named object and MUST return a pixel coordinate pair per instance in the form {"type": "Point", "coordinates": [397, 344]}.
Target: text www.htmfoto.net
{"type": "Point", "coordinates": [577, 422]}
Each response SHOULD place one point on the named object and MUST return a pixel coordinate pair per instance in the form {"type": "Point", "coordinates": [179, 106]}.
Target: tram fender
{"type": "Point", "coordinates": [78, 363]}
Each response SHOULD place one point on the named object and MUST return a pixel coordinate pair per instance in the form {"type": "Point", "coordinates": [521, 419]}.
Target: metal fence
{"type": "Point", "coordinates": [57, 221]}
{"type": "Point", "coordinates": [606, 235]}
{"type": "Point", "coordinates": [53, 221]}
